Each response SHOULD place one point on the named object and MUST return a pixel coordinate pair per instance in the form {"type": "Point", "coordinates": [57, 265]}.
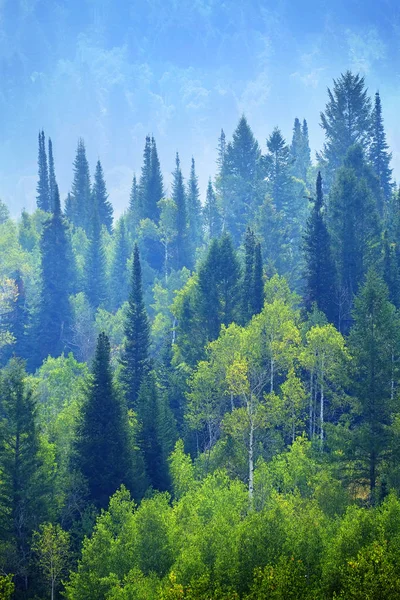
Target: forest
{"type": "Point", "coordinates": [200, 399]}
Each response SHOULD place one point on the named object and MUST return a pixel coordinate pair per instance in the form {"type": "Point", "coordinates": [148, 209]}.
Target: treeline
{"type": "Point", "coordinates": [233, 364]}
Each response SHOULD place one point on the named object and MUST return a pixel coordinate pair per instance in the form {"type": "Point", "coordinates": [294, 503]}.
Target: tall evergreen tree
{"type": "Point", "coordinates": [103, 453]}
{"type": "Point", "coordinates": [43, 190]}
{"type": "Point", "coordinates": [279, 178]}
{"type": "Point", "coordinates": [145, 182]}
{"type": "Point", "coordinates": [119, 268]}
{"type": "Point", "coordinates": [296, 148]}
{"type": "Point", "coordinates": [135, 355]}
{"type": "Point", "coordinates": [212, 217]}
{"type": "Point", "coordinates": [320, 269]}
{"type": "Point", "coordinates": [157, 431]}
{"type": "Point", "coordinates": [182, 253]}
{"type": "Point", "coordinates": [156, 188]}
{"type": "Point", "coordinates": [134, 210]}
{"type": "Point", "coordinates": [194, 209]}
{"type": "Point", "coordinates": [248, 276]}
{"type": "Point", "coordinates": [379, 154]}
{"type": "Point", "coordinates": [100, 198]}
{"type": "Point", "coordinates": [240, 183]}
{"type": "Point", "coordinates": [354, 227]}
{"type": "Point", "coordinates": [373, 341]}
{"type": "Point", "coordinates": [54, 316]}
{"type": "Point", "coordinates": [258, 281]}
{"type": "Point", "coordinates": [24, 486]}
{"type": "Point", "coordinates": [306, 150]}
{"type": "Point", "coordinates": [346, 121]}
{"type": "Point", "coordinates": [52, 176]}
{"type": "Point", "coordinates": [81, 205]}
{"type": "Point", "coordinates": [95, 269]}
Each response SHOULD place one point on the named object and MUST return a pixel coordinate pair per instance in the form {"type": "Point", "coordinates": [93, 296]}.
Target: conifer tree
{"type": "Point", "coordinates": [69, 208]}
{"type": "Point", "coordinates": [258, 281]}
{"type": "Point", "coordinates": [81, 205]}
{"type": "Point", "coordinates": [248, 277]}
{"type": "Point", "coordinates": [280, 183]}
{"type": "Point", "coordinates": [391, 273]}
{"type": "Point", "coordinates": [135, 210]}
{"type": "Point", "coordinates": [23, 485]}
{"type": "Point", "coordinates": [100, 199]}
{"type": "Point", "coordinates": [95, 270]}
{"type": "Point", "coordinates": [194, 209]}
{"type": "Point", "coordinates": [373, 342]}
{"type": "Point", "coordinates": [52, 176]}
{"type": "Point", "coordinates": [19, 319]}
{"type": "Point", "coordinates": [212, 217]}
{"type": "Point", "coordinates": [379, 154]}
{"type": "Point", "coordinates": [296, 148]}
{"type": "Point", "coordinates": [145, 182]}
{"type": "Point", "coordinates": [157, 431]}
{"type": "Point", "coordinates": [182, 256]}
{"type": "Point", "coordinates": [54, 317]}
{"type": "Point", "coordinates": [135, 355]}
{"type": "Point", "coordinates": [240, 182]}
{"type": "Point", "coordinates": [119, 268]}
{"type": "Point", "coordinates": [320, 270]}
{"type": "Point", "coordinates": [43, 191]}
{"type": "Point", "coordinates": [306, 150]}
{"type": "Point", "coordinates": [102, 448]}
{"type": "Point", "coordinates": [156, 189]}
{"type": "Point", "coordinates": [346, 121]}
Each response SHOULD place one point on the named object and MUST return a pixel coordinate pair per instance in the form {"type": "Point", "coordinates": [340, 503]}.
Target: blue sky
{"type": "Point", "coordinates": [113, 70]}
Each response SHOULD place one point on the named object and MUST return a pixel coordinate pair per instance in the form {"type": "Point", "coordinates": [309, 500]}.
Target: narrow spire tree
{"type": "Point", "coordinates": [54, 316]}
{"type": "Point", "coordinates": [43, 190]}
{"type": "Point", "coordinates": [102, 445]}
{"type": "Point", "coordinates": [320, 271]}
{"type": "Point", "coordinates": [258, 281]}
{"type": "Point", "coordinates": [135, 209]}
{"type": "Point", "coordinates": [135, 355]}
{"type": "Point", "coordinates": [145, 182]}
{"type": "Point", "coordinates": [156, 187]}
{"type": "Point", "coordinates": [95, 277]}
{"type": "Point", "coordinates": [248, 277]}
{"type": "Point", "coordinates": [379, 154]}
{"type": "Point", "coordinates": [194, 209]}
{"type": "Point", "coordinates": [100, 198]}
{"type": "Point", "coordinates": [80, 212]}
{"type": "Point", "coordinates": [52, 176]}
{"type": "Point", "coordinates": [119, 268]}
{"type": "Point", "coordinates": [182, 258]}
{"type": "Point", "coordinates": [212, 217]}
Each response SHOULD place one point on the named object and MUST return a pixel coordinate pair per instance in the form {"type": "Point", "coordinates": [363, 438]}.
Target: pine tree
{"type": "Point", "coordinates": [280, 183]}
{"type": "Point", "coordinates": [52, 176]}
{"type": "Point", "coordinates": [194, 209]}
{"type": "Point", "coordinates": [119, 267]}
{"type": "Point", "coordinates": [19, 319]}
{"type": "Point", "coordinates": [156, 188]}
{"type": "Point", "coordinates": [239, 184]}
{"type": "Point", "coordinates": [212, 217]}
{"type": "Point", "coordinates": [248, 278]}
{"type": "Point", "coordinates": [134, 211]}
{"type": "Point", "coordinates": [320, 269]}
{"type": "Point", "coordinates": [81, 204]}
{"type": "Point", "coordinates": [258, 281]}
{"type": "Point", "coordinates": [24, 487]}
{"type": "Point", "coordinates": [346, 121]}
{"type": "Point", "coordinates": [69, 208]}
{"type": "Point", "coordinates": [373, 343]}
{"type": "Point", "coordinates": [306, 150]}
{"type": "Point", "coordinates": [95, 268]}
{"type": "Point", "coordinates": [391, 273]}
{"type": "Point", "coordinates": [296, 149]}
{"type": "Point", "coordinates": [157, 431]}
{"type": "Point", "coordinates": [355, 228]}
{"type": "Point", "coordinates": [379, 154]}
{"type": "Point", "coordinates": [100, 199]}
{"type": "Point", "coordinates": [135, 356]}
{"type": "Point", "coordinates": [182, 256]}
{"type": "Point", "coordinates": [145, 183]}
{"type": "Point", "coordinates": [54, 316]}
{"type": "Point", "coordinates": [102, 448]}
{"type": "Point", "coordinates": [43, 190]}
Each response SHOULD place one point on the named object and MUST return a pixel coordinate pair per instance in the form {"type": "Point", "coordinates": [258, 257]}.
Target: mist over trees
{"type": "Point", "coordinates": [200, 398]}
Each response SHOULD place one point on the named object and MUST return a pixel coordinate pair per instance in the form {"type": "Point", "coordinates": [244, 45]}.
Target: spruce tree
{"type": "Point", "coordinates": [306, 150]}
{"type": "Point", "coordinates": [81, 200]}
{"type": "Point", "coordinates": [100, 199]}
{"type": "Point", "coordinates": [296, 148]}
{"type": "Point", "coordinates": [135, 355]}
{"type": "Point", "coordinates": [194, 209]}
{"type": "Point", "coordinates": [119, 268]}
{"type": "Point", "coordinates": [24, 487]}
{"type": "Point", "coordinates": [373, 342]}
{"type": "Point", "coordinates": [248, 277]}
{"type": "Point", "coordinates": [379, 154]}
{"type": "Point", "coordinates": [43, 190]}
{"type": "Point", "coordinates": [157, 431]}
{"type": "Point", "coordinates": [102, 449]}
{"type": "Point", "coordinates": [95, 268]}
{"type": "Point", "coordinates": [211, 215]}
{"type": "Point", "coordinates": [182, 256]}
{"type": "Point", "coordinates": [346, 121]}
{"type": "Point", "coordinates": [52, 176]}
{"type": "Point", "coordinates": [145, 182]}
{"type": "Point", "coordinates": [280, 183]}
{"type": "Point", "coordinates": [134, 210]}
{"type": "Point", "coordinates": [19, 319]}
{"type": "Point", "coordinates": [54, 315]}
{"type": "Point", "coordinates": [320, 269]}
{"type": "Point", "coordinates": [258, 281]}
{"type": "Point", "coordinates": [156, 187]}
{"type": "Point", "coordinates": [391, 273]}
